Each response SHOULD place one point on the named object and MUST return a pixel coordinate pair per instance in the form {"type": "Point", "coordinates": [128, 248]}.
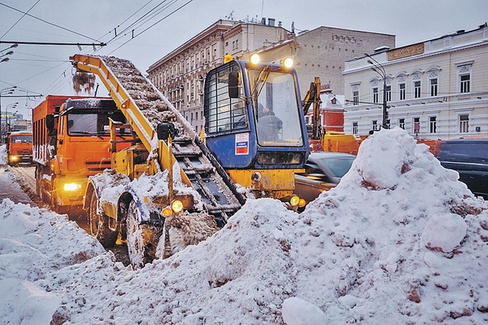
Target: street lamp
{"type": "Point", "coordinates": [5, 54]}
{"type": "Point", "coordinates": [7, 91]}
{"type": "Point", "coordinates": [9, 121]}
{"type": "Point", "coordinates": [10, 47]}
{"type": "Point", "coordinates": [380, 70]}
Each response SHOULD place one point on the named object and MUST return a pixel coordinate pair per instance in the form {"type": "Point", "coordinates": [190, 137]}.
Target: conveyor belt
{"type": "Point", "coordinates": [145, 107]}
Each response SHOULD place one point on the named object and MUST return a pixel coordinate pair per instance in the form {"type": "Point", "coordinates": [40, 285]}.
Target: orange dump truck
{"type": "Point", "coordinates": [71, 141]}
{"type": "Point", "coordinates": [19, 147]}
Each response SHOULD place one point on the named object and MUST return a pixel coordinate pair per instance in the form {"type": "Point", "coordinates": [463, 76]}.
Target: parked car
{"type": "Point", "coordinates": [469, 157]}
{"type": "Point", "coordinates": [323, 170]}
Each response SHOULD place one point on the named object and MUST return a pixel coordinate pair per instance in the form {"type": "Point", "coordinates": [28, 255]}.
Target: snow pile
{"type": "Point", "coordinates": [33, 244]}
{"type": "Point", "coordinates": [399, 239]}
{"type": "Point", "coordinates": [3, 154]}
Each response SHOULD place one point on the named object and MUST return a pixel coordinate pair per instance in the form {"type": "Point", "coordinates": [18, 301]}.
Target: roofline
{"type": "Point", "coordinates": [225, 25]}
{"type": "Point", "coordinates": [207, 31]}
{"type": "Point", "coordinates": [459, 32]}
{"type": "Point", "coordinates": [345, 29]}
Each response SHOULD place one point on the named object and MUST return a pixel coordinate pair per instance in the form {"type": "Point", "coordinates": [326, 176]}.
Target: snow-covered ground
{"type": "Point", "coordinates": [3, 154]}
{"type": "Point", "coordinates": [399, 241]}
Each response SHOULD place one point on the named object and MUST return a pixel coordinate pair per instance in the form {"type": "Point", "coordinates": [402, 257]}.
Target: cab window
{"type": "Point", "coordinates": [25, 138]}
{"type": "Point", "coordinates": [223, 113]}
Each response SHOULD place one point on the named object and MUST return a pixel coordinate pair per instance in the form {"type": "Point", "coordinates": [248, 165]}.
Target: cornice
{"type": "Point", "coordinates": [219, 26]}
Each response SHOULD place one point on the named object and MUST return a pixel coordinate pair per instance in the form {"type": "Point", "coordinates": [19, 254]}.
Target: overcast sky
{"type": "Point", "coordinates": [41, 69]}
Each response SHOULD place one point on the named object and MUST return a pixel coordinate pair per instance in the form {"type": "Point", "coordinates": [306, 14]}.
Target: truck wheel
{"type": "Point", "coordinates": [142, 239]}
{"type": "Point", "coordinates": [98, 224]}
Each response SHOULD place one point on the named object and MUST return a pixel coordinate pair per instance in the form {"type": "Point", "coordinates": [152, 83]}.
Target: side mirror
{"type": "Point", "coordinates": [234, 84]}
{"type": "Point", "coordinates": [50, 122]}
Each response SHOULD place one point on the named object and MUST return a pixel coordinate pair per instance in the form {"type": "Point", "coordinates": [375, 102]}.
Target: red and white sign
{"type": "Point", "coordinates": [242, 144]}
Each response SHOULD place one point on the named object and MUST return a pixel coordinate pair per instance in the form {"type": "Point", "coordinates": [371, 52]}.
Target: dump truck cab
{"type": "Point", "coordinates": [77, 143]}
{"type": "Point", "coordinates": [19, 147]}
{"type": "Point", "coordinates": [254, 125]}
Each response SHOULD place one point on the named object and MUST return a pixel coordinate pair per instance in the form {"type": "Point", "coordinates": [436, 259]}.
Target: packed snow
{"type": "Point", "coordinates": [400, 241]}
{"type": "Point", "coordinates": [3, 154]}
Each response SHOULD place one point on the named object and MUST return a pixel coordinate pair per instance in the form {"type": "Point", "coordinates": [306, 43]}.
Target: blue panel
{"type": "Point", "coordinates": [232, 150]}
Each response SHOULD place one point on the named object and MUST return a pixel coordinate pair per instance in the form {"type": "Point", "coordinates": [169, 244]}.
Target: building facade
{"type": "Point", "coordinates": [437, 89]}
{"type": "Point", "coordinates": [180, 75]}
{"type": "Point", "coordinates": [321, 52]}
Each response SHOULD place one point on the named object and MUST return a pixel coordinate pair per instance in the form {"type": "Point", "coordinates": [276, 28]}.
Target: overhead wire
{"type": "Point", "coordinates": [18, 20]}
{"type": "Point", "coordinates": [143, 19]}
{"type": "Point", "coordinates": [168, 15]}
{"type": "Point", "coordinates": [58, 83]}
{"type": "Point", "coordinates": [47, 22]}
{"type": "Point", "coordinates": [51, 68]}
{"type": "Point", "coordinates": [132, 15]}
{"type": "Point", "coordinates": [138, 23]}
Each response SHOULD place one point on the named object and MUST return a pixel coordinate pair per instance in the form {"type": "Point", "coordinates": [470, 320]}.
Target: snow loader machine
{"type": "Point", "coordinates": [170, 188]}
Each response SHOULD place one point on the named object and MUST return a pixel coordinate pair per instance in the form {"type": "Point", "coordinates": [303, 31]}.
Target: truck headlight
{"type": "Point", "coordinates": [175, 208]}
{"type": "Point", "coordinates": [294, 201]}
{"type": "Point", "coordinates": [255, 59]}
{"type": "Point", "coordinates": [13, 158]}
{"type": "Point", "coordinates": [287, 63]}
{"type": "Point", "coordinates": [71, 187]}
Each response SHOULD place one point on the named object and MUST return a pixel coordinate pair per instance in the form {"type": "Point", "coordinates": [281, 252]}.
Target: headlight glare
{"type": "Point", "coordinates": [294, 200]}
{"type": "Point", "coordinates": [167, 212]}
{"type": "Point", "coordinates": [288, 63]}
{"type": "Point", "coordinates": [255, 59]}
{"type": "Point", "coordinates": [71, 187]}
{"type": "Point", "coordinates": [177, 206]}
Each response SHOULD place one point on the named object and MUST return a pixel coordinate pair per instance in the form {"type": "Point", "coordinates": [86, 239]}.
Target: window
{"type": "Point", "coordinates": [433, 75]}
{"type": "Point", "coordinates": [355, 128]}
{"type": "Point", "coordinates": [375, 125]}
{"type": "Point", "coordinates": [432, 124]}
{"type": "Point", "coordinates": [464, 76]}
{"type": "Point", "coordinates": [274, 103]}
{"type": "Point", "coordinates": [375, 94]}
{"type": "Point", "coordinates": [355, 97]}
{"type": "Point", "coordinates": [402, 91]}
{"type": "Point", "coordinates": [355, 93]}
{"type": "Point", "coordinates": [87, 123]}
{"type": "Point", "coordinates": [465, 83]}
{"type": "Point", "coordinates": [401, 123]}
{"type": "Point", "coordinates": [416, 125]}
{"type": "Point", "coordinates": [433, 87]}
{"type": "Point", "coordinates": [388, 93]}
{"type": "Point", "coordinates": [223, 113]}
{"type": "Point", "coordinates": [416, 89]}
{"type": "Point", "coordinates": [464, 123]}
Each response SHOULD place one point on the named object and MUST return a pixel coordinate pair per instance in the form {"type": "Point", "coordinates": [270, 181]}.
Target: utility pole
{"type": "Point", "coordinates": [8, 90]}
{"type": "Point", "coordinates": [380, 70]}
